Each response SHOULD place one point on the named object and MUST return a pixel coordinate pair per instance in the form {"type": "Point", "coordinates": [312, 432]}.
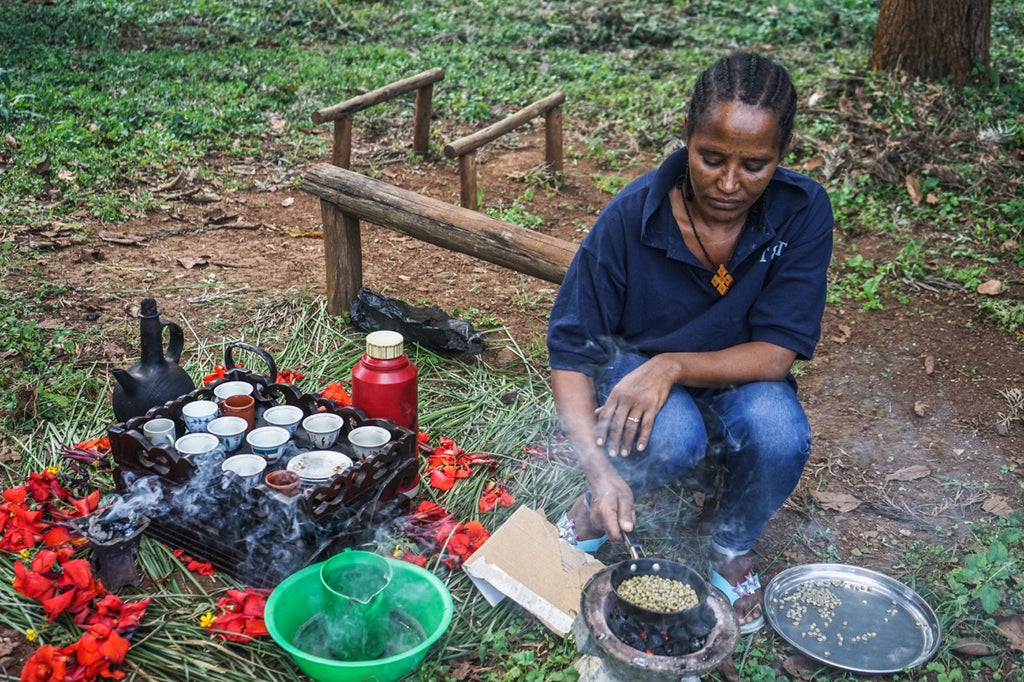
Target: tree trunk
{"type": "Point", "coordinates": [933, 39]}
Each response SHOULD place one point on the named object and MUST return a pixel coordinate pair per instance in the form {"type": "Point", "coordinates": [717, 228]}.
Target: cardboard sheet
{"type": "Point", "coordinates": [526, 561]}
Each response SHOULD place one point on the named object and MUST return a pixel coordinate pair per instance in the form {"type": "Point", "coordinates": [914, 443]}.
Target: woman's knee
{"type": "Point", "coordinates": [769, 414]}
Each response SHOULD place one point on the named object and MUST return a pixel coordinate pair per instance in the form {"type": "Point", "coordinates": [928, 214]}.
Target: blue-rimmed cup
{"type": "Point", "coordinates": [230, 431]}
{"type": "Point", "coordinates": [198, 413]}
{"type": "Point", "coordinates": [285, 416]}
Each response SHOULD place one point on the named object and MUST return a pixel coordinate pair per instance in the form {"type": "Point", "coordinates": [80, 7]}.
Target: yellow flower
{"type": "Point", "coordinates": [24, 553]}
{"type": "Point", "coordinates": [206, 620]}
{"type": "Point", "coordinates": [52, 469]}
{"type": "Point", "coordinates": [398, 552]}
{"type": "Point", "coordinates": [31, 635]}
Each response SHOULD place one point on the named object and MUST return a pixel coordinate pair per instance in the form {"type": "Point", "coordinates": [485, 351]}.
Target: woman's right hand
{"type": "Point", "coordinates": [611, 505]}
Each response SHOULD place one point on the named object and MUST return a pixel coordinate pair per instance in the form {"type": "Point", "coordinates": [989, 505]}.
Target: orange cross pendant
{"type": "Point", "coordinates": [722, 280]}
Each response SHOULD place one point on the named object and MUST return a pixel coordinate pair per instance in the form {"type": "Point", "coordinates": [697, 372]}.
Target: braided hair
{"type": "Point", "coordinates": [748, 78]}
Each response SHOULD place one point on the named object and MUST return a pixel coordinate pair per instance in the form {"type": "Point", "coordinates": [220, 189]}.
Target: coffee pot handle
{"type": "Point", "coordinates": [229, 362]}
{"type": "Point", "coordinates": [175, 341]}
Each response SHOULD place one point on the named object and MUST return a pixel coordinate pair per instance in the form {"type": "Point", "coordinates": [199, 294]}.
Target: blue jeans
{"type": "Point", "coordinates": [758, 432]}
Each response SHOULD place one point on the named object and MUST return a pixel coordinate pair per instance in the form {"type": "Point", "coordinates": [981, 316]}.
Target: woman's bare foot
{"type": "Point", "coordinates": [579, 514]}
{"type": "Point", "coordinates": [738, 571]}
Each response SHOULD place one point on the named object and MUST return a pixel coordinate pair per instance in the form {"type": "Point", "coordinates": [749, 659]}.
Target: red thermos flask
{"type": "Point", "coordinates": [384, 380]}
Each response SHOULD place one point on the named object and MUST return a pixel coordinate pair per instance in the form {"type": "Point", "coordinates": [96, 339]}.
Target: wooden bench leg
{"type": "Point", "coordinates": [343, 253]}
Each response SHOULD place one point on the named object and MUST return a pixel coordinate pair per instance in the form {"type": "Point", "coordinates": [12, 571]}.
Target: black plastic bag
{"type": "Point", "coordinates": [428, 326]}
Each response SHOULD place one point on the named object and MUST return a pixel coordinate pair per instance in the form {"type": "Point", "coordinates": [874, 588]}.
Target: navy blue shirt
{"type": "Point", "coordinates": [634, 284]}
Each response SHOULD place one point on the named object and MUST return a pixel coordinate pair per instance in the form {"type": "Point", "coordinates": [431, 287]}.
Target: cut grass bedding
{"type": "Point", "coordinates": [500, 411]}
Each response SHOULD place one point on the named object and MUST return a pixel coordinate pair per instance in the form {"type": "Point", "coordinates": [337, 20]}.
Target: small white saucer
{"type": "Point", "coordinates": [319, 466]}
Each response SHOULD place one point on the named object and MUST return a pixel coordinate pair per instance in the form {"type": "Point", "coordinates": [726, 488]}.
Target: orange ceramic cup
{"type": "Point", "coordinates": [243, 406]}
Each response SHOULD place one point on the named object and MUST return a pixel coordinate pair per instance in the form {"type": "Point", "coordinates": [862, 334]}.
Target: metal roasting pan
{"type": "Point", "coordinates": [876, 625]}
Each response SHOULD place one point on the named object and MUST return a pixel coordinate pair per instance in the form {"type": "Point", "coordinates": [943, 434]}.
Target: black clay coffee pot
{"type": "Point", "coordinates": [157, 377]}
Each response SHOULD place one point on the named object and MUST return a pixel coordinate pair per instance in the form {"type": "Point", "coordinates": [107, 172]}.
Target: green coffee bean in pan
{"type": "Point", "coordinates": [655, 593]}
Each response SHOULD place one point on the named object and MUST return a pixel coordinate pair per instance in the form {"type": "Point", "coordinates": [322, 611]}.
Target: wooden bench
{"type": "Point", "coordinates": [346, 197]}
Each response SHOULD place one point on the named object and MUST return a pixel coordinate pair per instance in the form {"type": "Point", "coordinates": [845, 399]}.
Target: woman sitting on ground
{"type": "Point", "coordinates": [681, 315]}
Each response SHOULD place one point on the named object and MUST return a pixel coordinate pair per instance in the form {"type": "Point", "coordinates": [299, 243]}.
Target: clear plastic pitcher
{"type": "Point", "coordinates": [357, 609]}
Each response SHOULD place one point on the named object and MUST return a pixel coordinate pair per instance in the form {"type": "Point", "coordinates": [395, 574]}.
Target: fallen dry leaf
{"type": "Point", "coordinates": [911, 473]}
{"type": "Point", "coordinates": [997, 505]}
{"type": "Point", "coordinates": [800, 667]}
{"type": "Point", "coordinates": [11, 141]}
{"type": "Point", "coordinates": [914, 189]}
{"type": "Point", "coordinates": [969, 646]}
{"type": "Point", "coordinates": [205, 198]}
{"type": "Point", "coordinates": [840, 502]}
{"type": "Point", "coordinates": [189, 263]}
{"type": "Point", "coordinates": [920, 408]}
{"type": "Point", "coordinates": [1013, 628]}
{"type": "Point", "coordinates": [993, 287]}
{"type": "Point", "coordinates": [173, 183]}
{"type": "Point", "coordinates": [844, 334]}
{"type": "Point", "coordinates": [288, 201]}
{"type": "Point", "coordinates": [929, 364]}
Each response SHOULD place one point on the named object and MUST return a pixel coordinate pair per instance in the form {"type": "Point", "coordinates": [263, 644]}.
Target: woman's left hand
{"type": "Point", "coordinates": [627, 416]}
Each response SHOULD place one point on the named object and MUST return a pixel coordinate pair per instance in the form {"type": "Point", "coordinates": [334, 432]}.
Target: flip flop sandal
{"type": "Point", "coordinates": [750, 584]}
{"type": "Point", "coordinates": [567, 531]}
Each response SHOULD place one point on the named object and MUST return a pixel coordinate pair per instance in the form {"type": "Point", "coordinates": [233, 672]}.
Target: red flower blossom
{"type": "Point", "coordinates": [495, 494]}
{"type": "Point", "coordinates": [96, 650]}
{"type": "Point", "coordinates": [47, 664]}
{"type": "Point", "coordinates": [202, 568]}
{"type": "Point", "coordinates": [217, 373]}
{"type": "Point", "coordinates": [110, 611]}
{"type": "Point", "coordinates": [57, 582]}
{"type": "Point", "coordinates": [44, 486]}
{"type": "Point", "coordinates": [100, 445]}
{"type": "Point", "coordinates": [21, 527]}
{"type": "Point", "coordinates": [288, 376]}
{"type": "Point", "coordinates": [241, 615]}
{"type": "Point", "coordinates": [464, 540]}
{"type": "Point", "coordinates": [336, 392]}
{"type": "Point", "coordinates": [450, 462]}
{"type": "Point", "coordinates": [438, 532]}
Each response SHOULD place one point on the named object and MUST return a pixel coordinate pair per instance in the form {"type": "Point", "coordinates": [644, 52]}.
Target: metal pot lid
{"type": "Point", "coordinates": [852, 618]}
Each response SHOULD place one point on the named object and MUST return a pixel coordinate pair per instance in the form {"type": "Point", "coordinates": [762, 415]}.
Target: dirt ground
{"type": "Point", "coordinates": [913, 434]}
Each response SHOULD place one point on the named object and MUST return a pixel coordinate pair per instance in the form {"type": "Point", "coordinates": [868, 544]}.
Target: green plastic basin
{"type": "Point", "coordinates": [415, 592]}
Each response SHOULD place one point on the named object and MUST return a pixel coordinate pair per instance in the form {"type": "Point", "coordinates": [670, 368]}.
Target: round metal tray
{"type": "Point", "coordinates": [852, 618]}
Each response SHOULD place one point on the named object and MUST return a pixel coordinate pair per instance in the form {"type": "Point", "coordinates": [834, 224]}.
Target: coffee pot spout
{"type": "Point", "coordinates": [128, 383]}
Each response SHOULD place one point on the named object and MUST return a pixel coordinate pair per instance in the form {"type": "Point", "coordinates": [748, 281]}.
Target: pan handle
{"type": "Point", "coordinates": [636, 550]}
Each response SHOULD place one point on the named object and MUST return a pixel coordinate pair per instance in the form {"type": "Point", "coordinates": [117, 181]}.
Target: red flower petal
{"type": "Point", "coordinates": [47, 664]}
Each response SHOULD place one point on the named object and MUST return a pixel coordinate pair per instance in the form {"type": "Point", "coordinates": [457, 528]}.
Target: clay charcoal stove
{"type": "Point", "coordinates": [114, 540]}
{"type": "Point", "coordinates": [621, 648]}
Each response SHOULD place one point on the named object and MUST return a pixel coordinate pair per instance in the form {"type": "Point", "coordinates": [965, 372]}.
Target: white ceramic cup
{"type": "Point", "coordinates": [249, 467]}
{"type": "Point", "coordinates": [230, 388]}
{"type": "Point", "coordinates": [322, 429]}
{"type": "Point", "coordinates": [198, 413]}
{"type": "Point", "coordinates": [196, 444]}
{"type": "Point", "coordinates": [369, 441]}
{"type": "Point", "coordinates": [285, 416]}
{"type": "Point", "coordinates": [230, 431]}
{"type": "Point", "coordinates": [268, 442]}
{"type": "Point", "coordinates": [160, 432]}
